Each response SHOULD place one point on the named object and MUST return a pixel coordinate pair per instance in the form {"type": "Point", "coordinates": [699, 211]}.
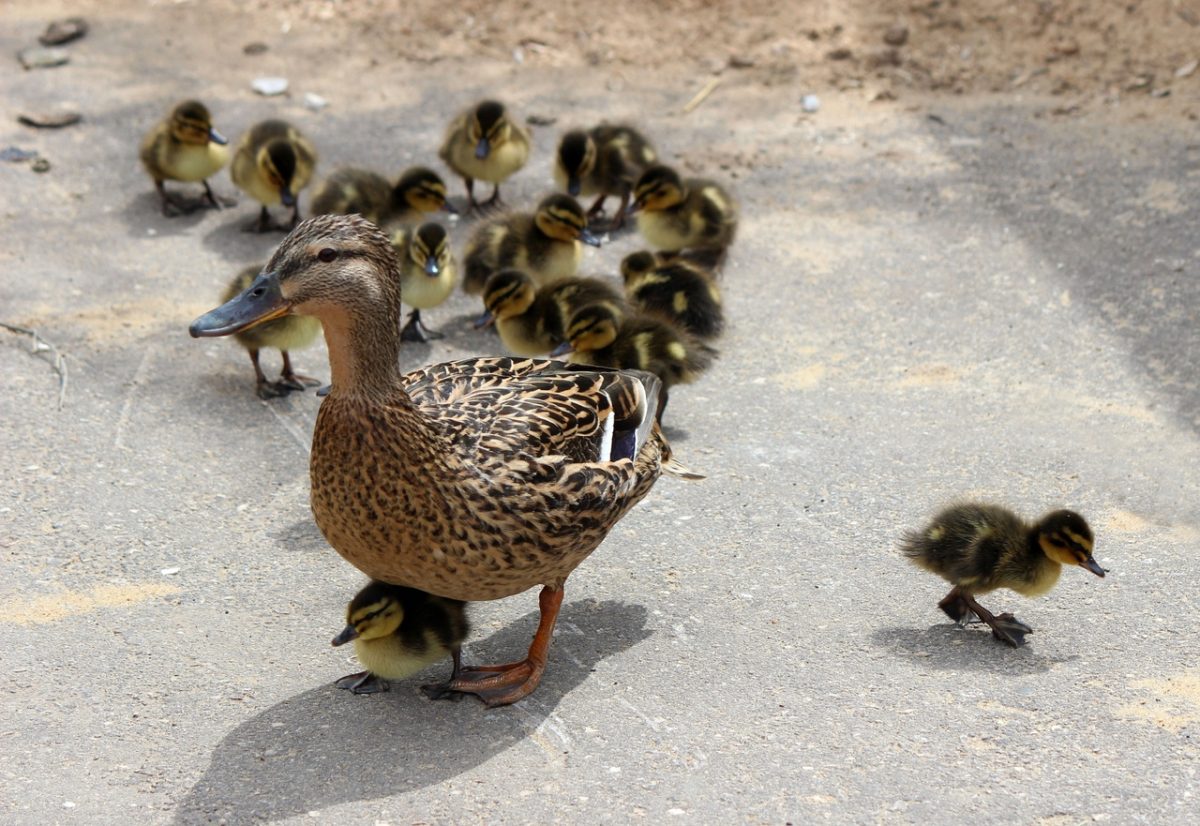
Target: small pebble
{"type": "Point", "coordinates": [315, 102]}
{"type": "Point", "coordinates": [810, 103]}
{"type": "Point", "coordinates": [840, 54]}
{"type": "Point", "coordinates": [1187, 69]}
{"type": "Point", "coordinates": [540, 120]}
{"type": "Point", "coordinates": [169, 571]}
{"type": "Point", "coordinates": [254, 48]}
{"type": "Point", "coordinates": [269, 86]}
{"type": "Point", "coordinates": [15, 154]}
{"type": "Point", "coordinates": [896, 35]}
{"type": "Point", "coordinates": [49, 120]}
{"type": "Point", "coordinates": [40, 165]}
{"type": "Point", "coordinates": [37, 58]}
{"type": "Point", "coordinates": [64, 31]}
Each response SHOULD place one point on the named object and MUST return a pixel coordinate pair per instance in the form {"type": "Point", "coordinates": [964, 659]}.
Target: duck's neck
{"type": "Point", "coordinates": [364, 352]}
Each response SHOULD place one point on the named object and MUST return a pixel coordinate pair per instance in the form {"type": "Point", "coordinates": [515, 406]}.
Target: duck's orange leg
{"type": "Point", "coordinates": [500, 685]}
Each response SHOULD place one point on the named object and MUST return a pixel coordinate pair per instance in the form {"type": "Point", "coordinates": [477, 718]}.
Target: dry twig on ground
{"type": "Point", "coordinates": [41, 345]}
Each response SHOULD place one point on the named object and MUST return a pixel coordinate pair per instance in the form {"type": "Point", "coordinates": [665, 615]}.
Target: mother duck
{"type": "Point", "coordinates": [474, 479]}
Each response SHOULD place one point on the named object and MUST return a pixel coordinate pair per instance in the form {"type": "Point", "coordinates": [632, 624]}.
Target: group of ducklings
{"type": "Point", "coordinates": [524, 265]}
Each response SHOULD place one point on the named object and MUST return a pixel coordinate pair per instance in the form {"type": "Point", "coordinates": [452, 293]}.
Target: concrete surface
{"type": "Point", "coordinates": [991, 302]}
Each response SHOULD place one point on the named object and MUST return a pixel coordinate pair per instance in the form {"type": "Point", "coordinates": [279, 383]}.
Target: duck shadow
{"type": "Point", "coordinates": [303, 536]}
{"type": "Point", "coordinates": [947, 647]}
{"type": "Point", "coordinates": [234, 241]}
{"type": "Point", "coordinates": [324, 747]}
{"type": "Point", "coordinates": [144, 218]}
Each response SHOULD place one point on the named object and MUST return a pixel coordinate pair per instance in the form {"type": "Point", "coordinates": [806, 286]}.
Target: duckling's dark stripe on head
{"type": "Point", "coordinates": [572, 150]}
{"type": "Point", "coordinates": [488, 113]}
{"type": "Point", "coordinates": [284, 158]}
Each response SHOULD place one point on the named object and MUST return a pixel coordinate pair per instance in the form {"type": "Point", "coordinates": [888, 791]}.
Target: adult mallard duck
{"type": "Point", "coordinates": [184, 147]}
{"type": "Point", "coordinates": [978, 547]}
{"type": "Point", "coordinates": [472, 480]}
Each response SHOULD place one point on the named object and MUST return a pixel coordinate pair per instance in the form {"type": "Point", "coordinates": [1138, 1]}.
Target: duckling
{"type": "Point", "coordinates": [544, 244]}
{"type": "Point", "coordinates": [675, 214]}
{"type": "Point", "coordinates": [272, 164]}
{"type": "Point", "coordinates": [288, 333]}
{"type": "Point", "coordinates": [980, 547]}
{"type": "Point", "coordinates": [352, 190]}
{"type": "Point", "coordinates": [485, 142]}
{"type": "Point", "coordinates": [529, 320]}
{"type": "Point", "coordinates": [184, 147]}
{"type": "Point", "coordinates": [427, 274]}
{"type": "Point", "coordinates": [605, 160]}
{"type": "Point", "coordinates": [676, 289]}
{"type": "Point", "coordinates": [598, 336]}
{"type": "Point", "coordinates": [398, 631]}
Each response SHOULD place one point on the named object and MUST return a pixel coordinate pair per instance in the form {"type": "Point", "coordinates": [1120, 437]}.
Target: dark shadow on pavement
{"type": "Point", "coordinates": [324, 746]}
{"type": "Point", "coordinates": [947, 647]}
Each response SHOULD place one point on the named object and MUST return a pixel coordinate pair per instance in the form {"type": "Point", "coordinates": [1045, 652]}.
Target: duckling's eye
{"type": "Point", "coordinates": [326, 255]}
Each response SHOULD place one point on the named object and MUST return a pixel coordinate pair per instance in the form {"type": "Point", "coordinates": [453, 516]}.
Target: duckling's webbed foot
{"type": "Point", "coordinates": [363, 682]}
{"type": "Point", "coordinates": [501, 685]}
{"type": "Point", "coordinates": [439, 691]}
{"type": "Point", "coordinates": [292, 380]}
{"type": "Point", "coordinates": [416, 331]}
{"type": "Point", "coordinates": [1005, 627]}
{"type": "Point", "coordinates": [492, 204]}
{"type": "Point", "coordinates": [211, 197]}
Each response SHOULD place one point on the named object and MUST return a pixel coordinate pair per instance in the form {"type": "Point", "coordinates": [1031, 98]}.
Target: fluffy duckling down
{"type": "Point", "coordinates": [184, 146]}
{"type": "Point", "coordinates": [529, 319]}
{"type": "Point", "coordinates": [428, 274]}
{"type": "Point", "coordinates": [675, 214]}
{"type": "Point", "coordinates": [485, 143]}
{"type": "Point", "coordinates": [273, 162]}
{"type": "Point", "coordinates": [603, 161]}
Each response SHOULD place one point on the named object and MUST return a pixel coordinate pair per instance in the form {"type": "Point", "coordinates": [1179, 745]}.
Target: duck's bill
{"type": "Point", "coordinates": [287, 197]}
{"type": "Point", "coordinates": [633, 209]}
{"type": "Point", "coordinates": [217, 137]}
{"type": "Point", "coordinates": [261, 301]}
{"type": "Point", "coordinates": [482, 149]}
{"type": "Point", "coordinates": [564, 349]}
{"type": "Point", "coordinates": [485, 320]}
{"type": "Point", "coordinates": [348, 633]}
{"type": "Point", "coordinates": [589, 237]}
{"type": "Point", "coordinates": [573, 187]}
{"type": "Point", "coordinates": [431, 267]}
{"type": "Point", "coordinates": [1094, 567]}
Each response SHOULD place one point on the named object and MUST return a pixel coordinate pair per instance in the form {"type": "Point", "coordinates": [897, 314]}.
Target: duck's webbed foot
{"type": "Point", "coordinates": [272, 389]}
{"type": "Point", "coordinates": [416, 331]}
{"type": "Point", "coordinates": [1005, 627]}
{"type": "Point", "coordinates": [363, 682]}
{"type": "Point", "coordinates": [493, 204]}
{"type": "Point", "coordinates": [501, 685]}
{"type": "Point", "coordinates": [292, 380]}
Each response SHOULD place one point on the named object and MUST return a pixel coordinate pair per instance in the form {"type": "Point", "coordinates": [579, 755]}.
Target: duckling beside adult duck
{"type": "Point", "coordinates": [979, 547]}
{"type": "Point", "coordinates": [472, 480]}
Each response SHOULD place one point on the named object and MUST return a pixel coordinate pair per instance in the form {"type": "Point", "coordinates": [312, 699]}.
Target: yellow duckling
{"type": "Point", "coordinates": [351, 190]}
{"type": "Point", "coordinates": [530, 321]}
{"type": "Point", "coordinates": [545, 244]}
{"type": "Point", "coordinates": [605, 160]}
{"type": "Point", "coordinates": [184, 147]}
{"type": "Point", "coordinates": [273, 162]}
{"type": "Point", "coordinates": [487, 144]}
{"type": "Point", "coordinates": [474, 479]}
{"type": "Point", "coordinates": [291, 333]}
{"type": "Point", "coordinates": [397, 632]}
{"type": "Point", "coordinates": [675, 289]}
{"type": "Point", "coordinates": [675, 214]}
{"type": "Point", "coordinates": [598, 336]}
{"type": "Point", "coordinates": [427, 274]}
{"type": "Point", "coordinates": [978, 548]}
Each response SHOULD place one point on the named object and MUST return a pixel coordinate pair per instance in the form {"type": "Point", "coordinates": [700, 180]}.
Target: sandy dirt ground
{"type": "Point", "coordinates": [973, 271]}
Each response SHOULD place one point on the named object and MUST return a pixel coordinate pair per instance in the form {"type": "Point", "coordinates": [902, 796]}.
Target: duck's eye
{"type": "Point", "coordinates": [328, 254]}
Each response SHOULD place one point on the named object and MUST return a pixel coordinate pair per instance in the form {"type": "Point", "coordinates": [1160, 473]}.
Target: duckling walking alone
{"type": "Point", "coordinates": [485, 143]}
{"type": "Point", "coordinates": [398, 631]}
{"type": "Point", "coordinates": [980, 547]}
{"type": "Point", "coordinates": [184, 147]}
{"type": "Point", "coordinates": [272, 164]}
{"type": "Point", "coordinates": [284, 333]}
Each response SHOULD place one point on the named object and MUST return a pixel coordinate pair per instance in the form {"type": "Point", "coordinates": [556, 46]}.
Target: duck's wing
{"type": "Point", "coordinates": [495, 408]}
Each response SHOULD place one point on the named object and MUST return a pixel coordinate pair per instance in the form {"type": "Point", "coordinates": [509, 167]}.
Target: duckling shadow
{"type": "Point", "coordinates": [301, 536]}
{"type": "Point", "coordinates": [144, 219]}
{"type": "Point", "coordinates": [231, 240]}
{"type": "Point", "coordinates": [947, 647]}
{"type": "Point", "coordinates": [324, 747]}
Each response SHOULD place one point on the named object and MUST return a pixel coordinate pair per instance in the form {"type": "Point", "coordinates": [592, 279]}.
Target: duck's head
{"type": "Point", "coordinates": [561, 217]}
{"type": "Point", "coordinates": [637, 264]}
{"type": "Point", "coordinates": [577, 157]}
{"type": "Point", "coordinates": [660, 187]}
{"type": "Point", "coordinates": [590, 328]}
{"type": "Point", "coordinates": [421, 189]}
{"type": "Point", "coordinates": [489, 127]}
{"type": "Point", "coordinates": [1065, 537]}
{"type": "Point", "coordinates": [330, 266]}
{"type": "Point", "coordinates": [191, 123]}
{"type": "Point", "coordinates": [506, 294]}
{"type": "Point", "coordinates": [430, 249]}
{"type": "Point", "coordinates": [376, 611]}
{"type": "Point", "coordinates": [277, 164]}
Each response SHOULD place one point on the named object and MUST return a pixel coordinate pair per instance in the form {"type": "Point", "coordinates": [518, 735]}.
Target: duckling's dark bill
{"type": "Point", "coordinates": [261, 301]}
{"type": "Point", "coordinates": [1094, 567]}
